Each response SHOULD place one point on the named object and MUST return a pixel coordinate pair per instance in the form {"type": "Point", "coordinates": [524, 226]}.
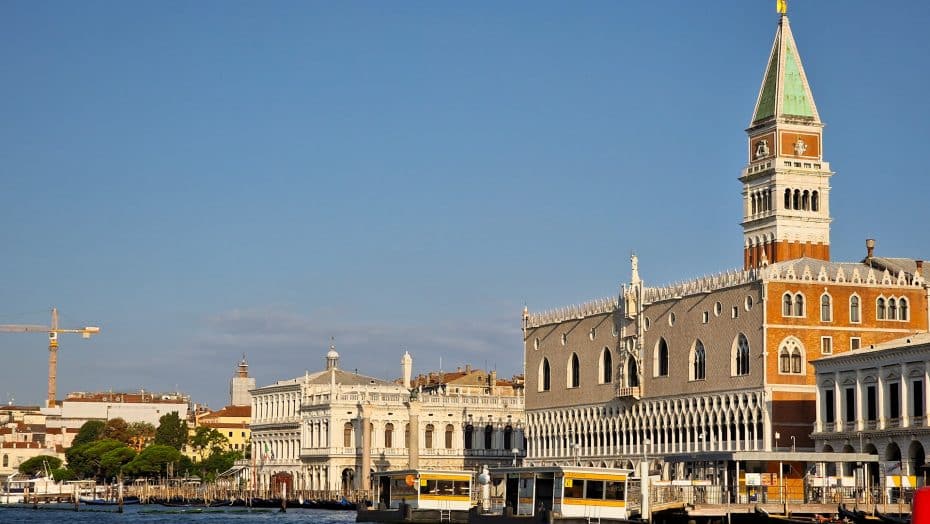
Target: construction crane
{"type": "Point", "coordinates": [53, 331]}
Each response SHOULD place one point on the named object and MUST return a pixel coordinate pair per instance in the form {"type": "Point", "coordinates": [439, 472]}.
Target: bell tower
{"type": "Point", "coordinates": [786, 183]}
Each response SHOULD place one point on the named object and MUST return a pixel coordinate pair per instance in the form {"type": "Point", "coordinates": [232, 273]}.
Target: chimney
{"type": "Point", "coordinates": [870, 247]}
{"type": "Point", "coordinates": [920, 267]}
{"type": "Point", "coordinates": [467, 368]}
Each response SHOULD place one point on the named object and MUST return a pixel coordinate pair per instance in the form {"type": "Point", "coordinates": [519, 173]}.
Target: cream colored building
{"type": "Point", "coordinates": [327, 431]}
{"type": "Point", "coordinates": [875, 401]}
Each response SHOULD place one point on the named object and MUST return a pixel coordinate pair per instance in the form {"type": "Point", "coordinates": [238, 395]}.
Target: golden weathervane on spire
{"type": "Point", "coordinates": [781, 6]}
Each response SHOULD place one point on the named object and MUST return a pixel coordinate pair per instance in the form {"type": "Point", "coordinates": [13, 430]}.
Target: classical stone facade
{"type": "Point", "coordinates": [721, 364]}
{"type": "Point", "coordinates": [875, 401]}
{"type": "Point", "coordinates": [328, 431]}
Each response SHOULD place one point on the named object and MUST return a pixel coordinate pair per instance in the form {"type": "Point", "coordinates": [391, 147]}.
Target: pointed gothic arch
{"type": "Point", "coordinates": [545, 375]}
{"type": "Point", "coordinates": [660, 358]}
{"type": "Point", "coordinates": [605, 367]}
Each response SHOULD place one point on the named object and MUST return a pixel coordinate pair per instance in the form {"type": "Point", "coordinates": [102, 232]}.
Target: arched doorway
{"type": "Point", "coordinates": [848, 467]}
{"type": "Point", "coordinates": [874, 479]}
{"type": "Point", "coordinates": [916, 457]}
{"type": "Point", "coordinates": [348, 481]}
{"type": "Point", "coordinates": [282, 485]}
{"type": "Point", "coordinates": [830, 466]}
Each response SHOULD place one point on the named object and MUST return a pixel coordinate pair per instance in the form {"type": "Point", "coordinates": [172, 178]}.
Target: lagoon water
{"type": "Point", "coordinates": [155, 514]}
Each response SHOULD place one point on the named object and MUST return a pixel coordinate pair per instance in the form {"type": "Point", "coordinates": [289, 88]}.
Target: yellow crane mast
{"type": "Point", "coordinates": [53, 331]}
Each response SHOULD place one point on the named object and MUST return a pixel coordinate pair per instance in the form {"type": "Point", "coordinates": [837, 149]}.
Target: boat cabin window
{"type": "Point", "coordinates": [594, 489]}
{"type": "Point", "coordinates": [444, 487]}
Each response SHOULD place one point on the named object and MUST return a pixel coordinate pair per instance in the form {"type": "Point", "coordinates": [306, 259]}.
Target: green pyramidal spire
{"type": "Point", "coordinates": [785, 91]}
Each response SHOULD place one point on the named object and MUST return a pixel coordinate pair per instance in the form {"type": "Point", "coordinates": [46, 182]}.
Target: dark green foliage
{"type": "Point", "coordinates": [172, 431]}
{"type": "Point", "coordinates": [111, 462]}
{"type": "Point", "coordinates": [36, 464]}
{"type": "Point", "coordinates": [207, 441]}
{"type": "Point", "coordinates": [86, 460]}
{"type": "Point", "coordinates": [218, 462]}
{"type": "Point", "coordinates": [63, 474]}
{"type": "Point", "coordinates": [91, 430]}
{"type": "Point", "coordinates": [117, 429]}
{"type": "Point", "coordinates": [153, 461]}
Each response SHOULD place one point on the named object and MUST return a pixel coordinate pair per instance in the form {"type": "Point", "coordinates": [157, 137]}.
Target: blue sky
{"type": "Point", "coordinates": [207, 179]}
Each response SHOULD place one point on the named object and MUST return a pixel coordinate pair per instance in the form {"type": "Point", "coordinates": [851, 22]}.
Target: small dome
{"type": "Point", "coordinates": [332, 352]}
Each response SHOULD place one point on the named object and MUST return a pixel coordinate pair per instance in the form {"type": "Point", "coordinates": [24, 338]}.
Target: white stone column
{"type": "Point", "coordinates": [860, 398]}
{"type": "Point", "coordinates": [905, 399]}
{"type": "Point", "coordinates": [882, 398]}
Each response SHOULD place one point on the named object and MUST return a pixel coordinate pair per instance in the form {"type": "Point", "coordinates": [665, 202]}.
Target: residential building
{"type": "Point", "coordinates": [23, 435]}
{"type": "Point", "coordinates": [328, 431]}
{"type": "Point", "coordinates": [718, 369]}
{"type": "Point", "coordinates": [64, 420]}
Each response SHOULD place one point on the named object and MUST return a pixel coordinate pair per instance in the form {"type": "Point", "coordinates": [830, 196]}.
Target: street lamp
{"type": "Point", "coordinates": [777, 436]}
{"type": "Point", "coordinates": [515, 452]}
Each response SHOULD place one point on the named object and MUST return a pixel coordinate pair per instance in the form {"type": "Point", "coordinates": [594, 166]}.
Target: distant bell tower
{"type": "Point", "coordinates": [240, 385]}
{"type": "Point", "coordinates": [786, 183]}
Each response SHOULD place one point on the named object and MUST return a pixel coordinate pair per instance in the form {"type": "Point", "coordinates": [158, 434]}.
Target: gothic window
{"type": "Point", "coordinates": [753, 198]}
{"type": "Point", "coordinates": [6, 461]}
{"type": "Point", "coordinates": [661, 363]}
{"type": "Point", "coordinates": [902, 309]}
{"type": "Point", "coordinates": [826, 309]}
{"type": "Point", "coordinates": [632, 373]}
{"type": "Point", "coordinates": [854, 315]}
{"type": "Point", "coordinates": [450, 431]}
{"type": "Point", "coordinates": [791, 357]}
{"type": "Point", "coordinates": [784, 361]}
{"type": "Point", "coordinates": [892, 309]}
{"type": "Point", "coordinates": [698, 362]}
{"type": "Point", "coordinates": [606, 364]}
{"type": "Point", "coordinates": [815, 201]}
{"type": "Point", "coordinates": [741, 355]}
{"type": "Point", "coordinates": [787, 199]}
{"type": "Point", "coordinates": [428, 441]}
{"type": "Point", "coordinates": [787, 305]}
{"type": "Point", "coordinates": [347, 435]}
{"type": "Point", "coordinates": [389, 435]}
{"type": "Point", "coordinates": [796, 361]}
{"type": "Point", "coordinates": [489, 437]}
{"type": "Point", "coordinates": [880, 309]}
{"type": "Point", "coordinates": [469, 436]}
{"type": "Point", "coordinates": [508, 437]}
{"type": "Point", "coordinates": [574, 371]}
{"type": "Point", "coordinates": [796, 200]}
{"type": "Point", "coordinates": [799, 305]}
{"type": "Point", "coordinates": [544, 375]}
{"type": "Point", "coordinates": [805, 200]}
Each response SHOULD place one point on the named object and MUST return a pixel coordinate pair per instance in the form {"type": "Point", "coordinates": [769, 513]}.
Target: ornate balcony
{"type": "Point", "coordinates": [628, 392]}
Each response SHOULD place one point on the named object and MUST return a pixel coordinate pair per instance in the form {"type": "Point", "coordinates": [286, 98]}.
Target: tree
{"type": "Point", "coordinates": [218, 462]}
{"type": "Point", "coordinates": [141, 434]}
{"type": "Point", "coordinates": [111, 462]}
{"type": "Point", "coordinates": [152, 461]}
{"type": "Point", "coordinates": [117, 429]}
{"type": "Point", "coordinates": [63, 474]}
{"type": "Point", "coordinates": [86, 460]}
{"type": "Point", "coordinates": [207, 440]}
{"type": "Point", "coordinates": [39, 463]}
{"type": "Point", "coordinates": [172, 431]}
{"type": "Point", "coordinates": [91, 430]}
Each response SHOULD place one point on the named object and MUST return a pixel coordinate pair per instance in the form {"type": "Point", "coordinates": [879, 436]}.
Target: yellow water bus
{"type": "Point", "coordinates": [424, 489]}
{"type": "Point", "coordinates": [564, 491]}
